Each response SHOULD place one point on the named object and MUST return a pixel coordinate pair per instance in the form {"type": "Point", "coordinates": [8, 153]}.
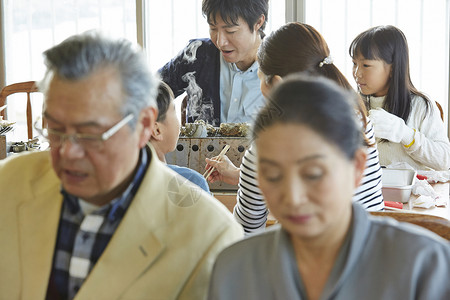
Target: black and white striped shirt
{"type": "Point", "coordinates": [251, 211]}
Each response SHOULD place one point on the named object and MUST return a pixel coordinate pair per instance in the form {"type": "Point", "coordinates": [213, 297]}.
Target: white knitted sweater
{"type": "Point", "coordinates": [431, 148]}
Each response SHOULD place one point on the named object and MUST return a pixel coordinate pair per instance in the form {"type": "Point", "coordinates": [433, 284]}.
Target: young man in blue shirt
{"type": "Point", "coordinates": [219, 74]}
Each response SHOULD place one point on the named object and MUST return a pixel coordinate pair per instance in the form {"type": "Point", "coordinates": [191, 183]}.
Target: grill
{"type": "Point", "coordinates": [191, 153]}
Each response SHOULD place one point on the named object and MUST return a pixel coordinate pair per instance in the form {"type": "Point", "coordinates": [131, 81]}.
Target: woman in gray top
{"type": "Point", "coordinates": [310, 158]}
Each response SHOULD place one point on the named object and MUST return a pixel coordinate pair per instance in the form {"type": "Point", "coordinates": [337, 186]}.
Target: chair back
{"type": "Point", "coordinates": [438, 225]}
{"type": "Point", "coordinates": [183, 110]}
{"type": "Point", "coordinates": [440, 110]}
{"type": "Point", "coordinates": [27, 87]}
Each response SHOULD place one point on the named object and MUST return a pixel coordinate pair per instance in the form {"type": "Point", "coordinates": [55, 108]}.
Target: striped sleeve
{"type": "Point", "coordinates": [368, 193]}
{"type": "Point", "coordinates": [250, 210]}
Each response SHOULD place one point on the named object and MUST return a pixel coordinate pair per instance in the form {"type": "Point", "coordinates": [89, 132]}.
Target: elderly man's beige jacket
{"type": "Point", "coordinates": [164, 247]}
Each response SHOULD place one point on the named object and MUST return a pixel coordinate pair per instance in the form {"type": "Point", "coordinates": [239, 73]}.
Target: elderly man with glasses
{"type": "Point", "coordinates": [98, 216]}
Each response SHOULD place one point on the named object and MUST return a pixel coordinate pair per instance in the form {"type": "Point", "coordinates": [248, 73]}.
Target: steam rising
{"type": "Point", "coordinates": [196, 109]}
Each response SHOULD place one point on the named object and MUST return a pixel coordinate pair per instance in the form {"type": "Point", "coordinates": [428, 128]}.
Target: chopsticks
{"type": "Point", "coordinates": [219, 158]}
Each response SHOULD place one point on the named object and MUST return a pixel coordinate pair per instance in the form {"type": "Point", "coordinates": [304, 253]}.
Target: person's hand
{"type": "Point", "coordinates": [390, 127]}
{"type": "Point", "coordinates": [224, 171]}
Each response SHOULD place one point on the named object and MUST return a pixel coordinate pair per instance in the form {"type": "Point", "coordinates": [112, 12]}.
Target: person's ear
{"type": "Point", "coordinates": [260, 22]}
{"type": "Point", "coordinates": [157, 132]}
{"type": "Point", "coordinates": [276, 79]}
{"type": "Point", "coordinates": [147, 120]}
{"type": "Point", "coordinates": [360, 165]}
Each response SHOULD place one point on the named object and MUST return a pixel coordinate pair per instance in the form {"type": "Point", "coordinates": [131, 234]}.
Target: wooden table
{"type": "Point", "coordinates": [228, 198]}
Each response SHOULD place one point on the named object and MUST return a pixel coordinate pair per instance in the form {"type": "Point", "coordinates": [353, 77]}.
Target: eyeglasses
{"type": "Point", "coordinates": [87, 141]}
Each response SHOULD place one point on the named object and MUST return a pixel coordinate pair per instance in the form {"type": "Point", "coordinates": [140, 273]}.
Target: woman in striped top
{"type": "Point", "coordinates": [295, 47]}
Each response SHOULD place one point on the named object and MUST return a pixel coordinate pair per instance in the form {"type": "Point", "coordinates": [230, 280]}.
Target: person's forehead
{"type": "Point", "coordinates": [101, 82]}
{"type": "Point", "coordinates": [99, 93]}
{"type": "Point", "coordinates": [226, 21]}
{"type": "Point", "coordinates": [358, 56]}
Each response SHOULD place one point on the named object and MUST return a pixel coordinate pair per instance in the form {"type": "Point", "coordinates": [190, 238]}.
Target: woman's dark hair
{"type": "Point", "coordinates": [163, 99]}
{"type": "Point", "coordinates": [318, 103]}
{"type": "Point", "coordinates": [298, 47]}
{"type": "Point", "coordinates": [231, 10]}
{"type": "Point", "coordinates": [389, 44]}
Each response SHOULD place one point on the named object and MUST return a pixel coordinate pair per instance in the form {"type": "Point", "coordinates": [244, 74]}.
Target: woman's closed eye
{"type": "Point", "coordinates": [313, 174]}
{"type": "Point", "coordinates": [270, 173]}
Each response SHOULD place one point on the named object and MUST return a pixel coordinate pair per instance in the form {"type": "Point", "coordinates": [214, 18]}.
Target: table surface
{"type": "Point", "coordinates": [442, 189]}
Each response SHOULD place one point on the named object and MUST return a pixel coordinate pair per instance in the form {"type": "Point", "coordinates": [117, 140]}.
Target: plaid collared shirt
{"type": "Point", "coordinates": [83, 238]}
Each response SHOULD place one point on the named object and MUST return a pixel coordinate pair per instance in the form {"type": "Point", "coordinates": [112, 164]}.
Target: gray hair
{"type": "Point", "coordinates": [81, 55]}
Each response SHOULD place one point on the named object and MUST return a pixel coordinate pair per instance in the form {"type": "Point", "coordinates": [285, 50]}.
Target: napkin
{"type": "Point", "coordinates": [423, 202]}
{"type": "Point", "coordinates": [427, 195]}
{"type": "Point", "coordinates": [423, 188]}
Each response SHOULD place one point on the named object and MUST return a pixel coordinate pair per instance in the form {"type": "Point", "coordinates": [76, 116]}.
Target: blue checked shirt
{"type": "Point", "coordinates": [240, 94]}
{"type": "Point", "coordinates": [83, 238]}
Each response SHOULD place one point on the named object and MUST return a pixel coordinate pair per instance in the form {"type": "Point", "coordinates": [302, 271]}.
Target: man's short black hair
{"type": "Point", "coordinates": [231, 10]}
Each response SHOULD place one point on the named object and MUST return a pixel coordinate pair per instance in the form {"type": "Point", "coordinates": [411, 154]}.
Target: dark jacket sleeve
{"type": "Point", "coordinates": [201, 59]}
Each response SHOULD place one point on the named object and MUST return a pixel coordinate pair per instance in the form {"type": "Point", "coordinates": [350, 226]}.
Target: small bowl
{"type": "Point", "coordinates": [397, 184]}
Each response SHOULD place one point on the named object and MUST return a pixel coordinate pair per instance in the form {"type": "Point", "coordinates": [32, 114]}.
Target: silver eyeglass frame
{"type": "Point", "coordinates": [76, 137]}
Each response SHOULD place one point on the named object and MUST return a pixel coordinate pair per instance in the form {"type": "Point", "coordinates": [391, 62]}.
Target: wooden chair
{"type": "Point", "coordinates": [27, 87]}
{"type": "Point", "coordinates": [440, 110]}
{"type": "Point", "coordinates": [438, 225]}
{"type": "Point", "coordinates": [183, 110]}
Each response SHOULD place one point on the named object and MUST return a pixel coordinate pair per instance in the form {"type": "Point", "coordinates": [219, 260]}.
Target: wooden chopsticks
{"type": "Point", "coordinates": [219, 158]}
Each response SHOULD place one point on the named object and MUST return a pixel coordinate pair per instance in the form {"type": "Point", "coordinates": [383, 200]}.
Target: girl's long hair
{"type": "Point", "coordinates": [388, 43]}
{"type": "Point", "coordinates": [298, 47]}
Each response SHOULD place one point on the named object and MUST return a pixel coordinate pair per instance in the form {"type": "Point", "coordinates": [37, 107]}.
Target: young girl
{"type": "Point", "coordinates": [407, 124]}
{"type": "Point", "coordinates": [326, 246]}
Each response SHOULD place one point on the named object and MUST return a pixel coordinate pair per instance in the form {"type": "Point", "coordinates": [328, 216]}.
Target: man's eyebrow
{"type": "Point", "coordinates": [50, 118]}
{"type": "Point", "coordinates": [225, 26]}
{"type": "Point", "coordinates": [229, 25]}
